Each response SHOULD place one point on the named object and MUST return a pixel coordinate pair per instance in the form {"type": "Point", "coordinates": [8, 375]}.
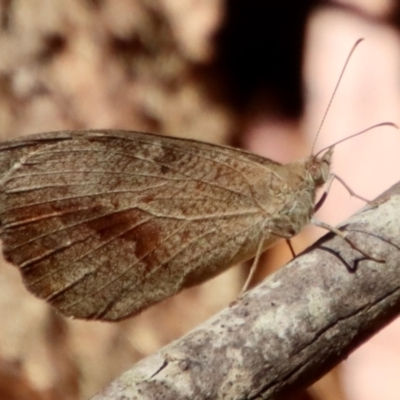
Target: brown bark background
{"type": "Point", "coordinates": [196, 69]}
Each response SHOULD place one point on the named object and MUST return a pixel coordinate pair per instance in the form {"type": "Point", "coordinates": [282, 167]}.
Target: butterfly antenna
{"type": "Point", "coordinates": [334, 91]}
{"type": "Point", "coordinates": [391, 124]}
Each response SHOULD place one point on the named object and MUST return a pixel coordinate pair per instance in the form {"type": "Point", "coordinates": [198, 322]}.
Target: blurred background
{"type": "Point", "coordinates": [253, 74]}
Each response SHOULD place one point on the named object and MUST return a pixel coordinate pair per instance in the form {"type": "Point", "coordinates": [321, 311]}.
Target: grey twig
{"type": "Point", "coordinates": [291, 329]}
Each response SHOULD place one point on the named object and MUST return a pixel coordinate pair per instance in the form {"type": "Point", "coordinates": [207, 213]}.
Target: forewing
{"type": "Point", "coordinates": [103, 224]}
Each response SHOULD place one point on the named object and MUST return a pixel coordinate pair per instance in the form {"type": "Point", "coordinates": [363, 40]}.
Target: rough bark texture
{"type": "Point", "coordinates": [290, 330]}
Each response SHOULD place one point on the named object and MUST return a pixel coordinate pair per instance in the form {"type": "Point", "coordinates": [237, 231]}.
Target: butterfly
{"type": "Point", "coordinates": [104, 223]}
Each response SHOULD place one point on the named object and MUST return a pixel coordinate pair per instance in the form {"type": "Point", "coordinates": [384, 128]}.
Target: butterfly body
{"type": "Point", "coordinates": [103, 224]}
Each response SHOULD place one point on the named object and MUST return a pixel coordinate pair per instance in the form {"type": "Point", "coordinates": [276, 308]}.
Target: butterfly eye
{"type": "Point", "coordinates": [316, 173]}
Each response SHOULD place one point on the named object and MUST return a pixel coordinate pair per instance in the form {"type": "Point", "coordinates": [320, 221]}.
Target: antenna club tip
{"type": "Point", "coordinates": [391, 124]}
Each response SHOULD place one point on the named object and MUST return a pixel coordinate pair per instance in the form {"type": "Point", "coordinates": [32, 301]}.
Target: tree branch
{"type": "Point", "coordinates": [290, 330]}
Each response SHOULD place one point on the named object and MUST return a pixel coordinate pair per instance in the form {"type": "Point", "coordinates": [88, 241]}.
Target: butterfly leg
{"type": "Point", "coordinates": [289, 243]}
{"type": "Point", "coordinates": [328, 185]}
{"type": "Point", "coordinates": [252, 268]}
{"type": "Point", "coordinates": [343, 235]}
{"type": "Point", "coordinates": [347, 187]}
{"type": "Point", "coordinates": [254, 264]}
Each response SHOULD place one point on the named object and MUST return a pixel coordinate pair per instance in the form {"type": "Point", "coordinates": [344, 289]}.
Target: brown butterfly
{"type": "Point", "coordinates": [103, 224]}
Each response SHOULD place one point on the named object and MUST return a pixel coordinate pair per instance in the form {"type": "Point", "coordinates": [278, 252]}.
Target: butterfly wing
{"type": "Point", "coordinates": [103, 224]}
